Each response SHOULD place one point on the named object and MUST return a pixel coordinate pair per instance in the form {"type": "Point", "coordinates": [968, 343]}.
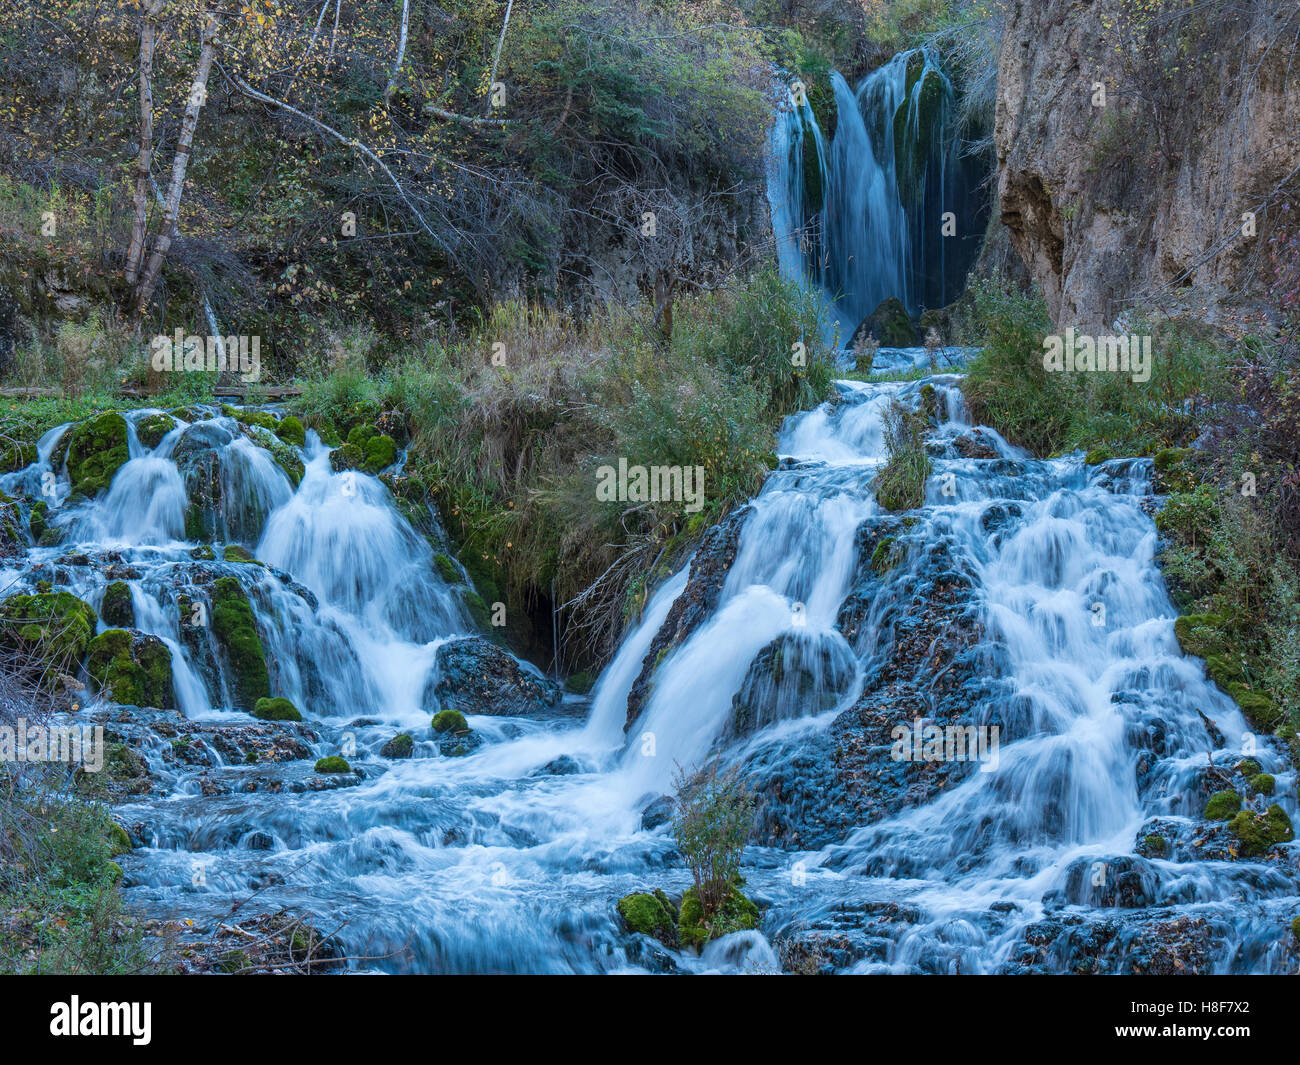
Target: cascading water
{"type": "Point", "coordinates": [865, 216]}
{"type": "Point", "coordinates": [1022, 595]}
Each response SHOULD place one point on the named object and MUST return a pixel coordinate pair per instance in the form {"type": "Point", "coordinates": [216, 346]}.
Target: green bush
{"type": "Point", "coordinates": [714, 812]}
{"type": "Point", "coordinates": [900, 484]}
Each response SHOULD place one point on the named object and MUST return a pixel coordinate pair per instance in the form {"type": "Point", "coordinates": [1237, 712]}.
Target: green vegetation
{"type": "Point", "coordinates": [116, 608]}
{"type": "Point", "coordinates": [1222, 805]}
{"type": "Point", "coordinates": [137, 672]}
{"type": "Point", "coordinates": [278, 709]}
{"type": "Point", "coordinates": [1258, 832]}
{"type": "Point", "coordinates": [650, 915]}
{"type": "Point", "coordinates": [449, 721]}
{"type": "Point", "coordinates": [400, 746]}
{"type": "Point", "coordinates": [97, 449]}
{"type": "Point", "coordinates": [48, 633]}
{"type": "Point", "coordinates": [509, 451]}
{"type": "Point", "coordinates": [332, 764]}
{"type": "Point", "coordinates": [236, 630]}
{"type": "Point", "coordinates": [900, 484]}
{"type": "Point", "coordinates": [714, 812]}
{"type": "Point", "coordinates": [61, 909]}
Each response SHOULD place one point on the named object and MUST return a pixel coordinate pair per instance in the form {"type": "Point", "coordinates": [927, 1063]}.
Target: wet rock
{"type": "Point", "coordinates": [889, 324]}
{"type": "Point", "coordinates": [473, 676]}
{"type": "Point", "coordinates": [709, 568]}
{"type": "Point", "coordinates": [658, 812]}
{"type": "Point", "coordinates": [797, 674]}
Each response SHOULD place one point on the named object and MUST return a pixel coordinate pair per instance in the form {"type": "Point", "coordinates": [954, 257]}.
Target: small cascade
{"type": "Point", "coordinates": [1019, 607]}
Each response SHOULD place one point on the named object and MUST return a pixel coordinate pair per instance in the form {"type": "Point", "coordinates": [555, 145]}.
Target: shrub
{"type": "Point", "coordinates": [714, 812]}
{"type": "Point", "coordinates": [900, 484]}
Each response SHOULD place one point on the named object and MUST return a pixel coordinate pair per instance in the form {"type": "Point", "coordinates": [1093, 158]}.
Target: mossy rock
{"type": "Point", "coordinates": [97, 449]}
{"type": "Point", "coordinates": [1201, 635]}
{"type": "Point", "coordinates": [1295, 927]}
{"type": "Point", "coordinates": [291, 431]}
{"type": "Point", "coordinates": [1260, 709]}
{"type": "Point", "coordinates": [1257, 833]}
{"type": "Point", "coordinates": [136, 668]}
{"type": "Point", "coordinates": [235, 627]}
{"type": "Point", "coordinates": [1262, 784]}
{"type": "Point", "coordinates": [332, 764]}
{"type": "Point", "coordinates": [889, 324]}
{"type": "Point", "coordinates": [203, 553]}
{"type": "Point", "coordinates": [449, 721]}
{"type": "Point", "coordinates": [580, 683]}
{"type": "Point", "coordinates": [119, 842]}
{"type": "Point", "coordinates": [37, 523]}
{"type": "Point", "coordinates": [650, 915]}
{"type": "Point", "coordinates": [16, 456]}
{"type": "Point", "coordinates": [884, 557]}
{"type": "Point", "coordinates": [1222, 805]}
{"type": "Point", "coordinates": [1155, 846]}
{"type": "Point", "coordinates": [400, 746]}
{"type": "Point", "coordinates": [1173, 468]}
{"type": "Point", "coordinates": [366, 449]}
{"type": "Point", "coordinates": [53, 627]}
{"type": "Point", "coordinates": [736, 914]}
{"type": "Point", "coordinates": [1248, 767]}
{"type": "Point", "coordinates": [447, 569]}
{"type": "Point", "coordinates": [151, 430]}
{"type": "Point", "coordinates": [1098, 455]}
{"type": "Point", "coordinates": [116, 608]}
{"type": "Point", "coordinates": [238, 553]}
{"type": "Point", "coordinates": [260, 418]}
{"type": "Point", "coordinates": [277, 709]}
{"type": "Point", "coordinates": [285, 455]}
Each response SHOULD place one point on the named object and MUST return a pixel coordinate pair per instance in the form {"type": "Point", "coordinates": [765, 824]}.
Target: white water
{"type": "Point", "coordinates": [486, 863]}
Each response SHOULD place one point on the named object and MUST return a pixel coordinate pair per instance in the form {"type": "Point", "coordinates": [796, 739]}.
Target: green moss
{"type": "Point", "coordinates": [1098, 455]}
{"type": "Point", "coordinates": [203, 553]}
{"type": "Point", "coordinates": [1262, 784]}
{"type": "Point", "coordinates": [1258, 832]}
{"type": "Point", "coordinates": [260, 418]}
{"type": "Point", "coordinates": [1248, 767]}
{"type": "Point", "coordinates": [237, 553]}
{"type": "Point", "coordinates": [97, 449]}
{"type": "Point", "coordinates": [1174, 469]}
{"type": "Point", "coordinates": [332, 764]}
{"type": "Point", "coordinates": [290, 430]}
{"type": "Point", "coordinates": [580, 683]}
{"type": "Point", "coordinates": [118, 840]}
{"type": "Point", "coordinates": [449, 721]}
{"type": "Point", "coordinates": [116, 608]}
{"type": "Point", "coordinates": [447, 569]}
{"type": "Point", "coordinates": [278, 709]}
{"type": "Point", "coordinates": [152, 429]}
{"type": "Point", "coordinates": [137, 674]}
{"type": "Point", "coordinates": [1156, 845]}
{"type": "Point", "coordinates": [650, 915]}
{"type": "Point", "coordinates": [53, 627]}
{"type": "Point", "coordinates": [883, 558]}
{"type": "Point", "coordinates": [736, 914]}
{"type": "Point", "coordinates": [400, 746]}
{"type": "Point", "coordinates": [235, 627]}
{"type": "Point", "coordinates": [285, 455]}
{"type": "Point", "coordinates": [16, 456]}
{"type": "Point", "coordinates": [1295, 927]}
{"type": "Point", "coordinates": [36, 520]}
{"type": "Point", "coordinates": [1222, 805]}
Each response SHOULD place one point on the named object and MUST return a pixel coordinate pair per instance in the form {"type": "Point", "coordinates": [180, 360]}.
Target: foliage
{"type": "Point", "coordinates": [900, 484]}
{"type": "Point", "coordinates": [713, 816]}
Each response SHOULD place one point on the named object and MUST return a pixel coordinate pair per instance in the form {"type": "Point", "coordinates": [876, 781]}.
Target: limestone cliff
{"type": "Point", "coordinates": [1139, 193]}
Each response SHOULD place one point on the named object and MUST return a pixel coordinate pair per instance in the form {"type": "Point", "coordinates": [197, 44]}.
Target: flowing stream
{"type": "Point", "coordinates": [510, 858]}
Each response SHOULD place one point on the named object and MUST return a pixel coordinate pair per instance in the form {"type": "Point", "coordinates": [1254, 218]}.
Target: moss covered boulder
{"type": "Point", "coordinates": [889, 324]}
{"type": "Point", "coordinates": [736, 914]}
{"type": "Point", "coordinates": [151, 429]}
{"type": "Point", "coordinates": [97, 449]}
{"type": "Point", "coordinates": [47, 633]}
{"type": "Point", "coordinates": [1222, 805]}
{"type": "Point", "coordinates": [1259, 832]}
{"type": "Point", "coordinates": [116, 607]}
{"type": "Point", "coordinates": [367, 450]}
{"type": "Point", "coordinates": [332, 764]}
{"type": "Point", "coordinates": [400, 746]}
{"type": "Point", "coordinates": [133, 668]}
{"type": "Point", "coordinates": [651, 915]}
{"type": "Point", "coordinates": [235, 628]}
{"type": "Point", "coordinates": [278, 709]}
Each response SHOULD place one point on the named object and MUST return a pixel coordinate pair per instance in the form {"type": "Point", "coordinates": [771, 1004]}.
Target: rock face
{"type": "Point", "coordinates": [473, 676]}
{"type": "Point", "coordinates": [1104, 203]}
{"type": "Point", "coordinates": [709, 569]}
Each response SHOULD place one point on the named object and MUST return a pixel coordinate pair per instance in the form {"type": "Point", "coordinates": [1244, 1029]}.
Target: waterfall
{"type": "Point", "coordinates": [834, 624]}
{"type": "Point", "coordinates": [864, 217]}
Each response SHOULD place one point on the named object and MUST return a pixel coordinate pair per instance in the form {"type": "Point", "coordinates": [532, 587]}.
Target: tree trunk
{"type": "Point", "coordinates": [144, 164]}
{"type": "Point", "coordinates": [172, 203]}
{"type": "Point", "coordinates": [401, 52]}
